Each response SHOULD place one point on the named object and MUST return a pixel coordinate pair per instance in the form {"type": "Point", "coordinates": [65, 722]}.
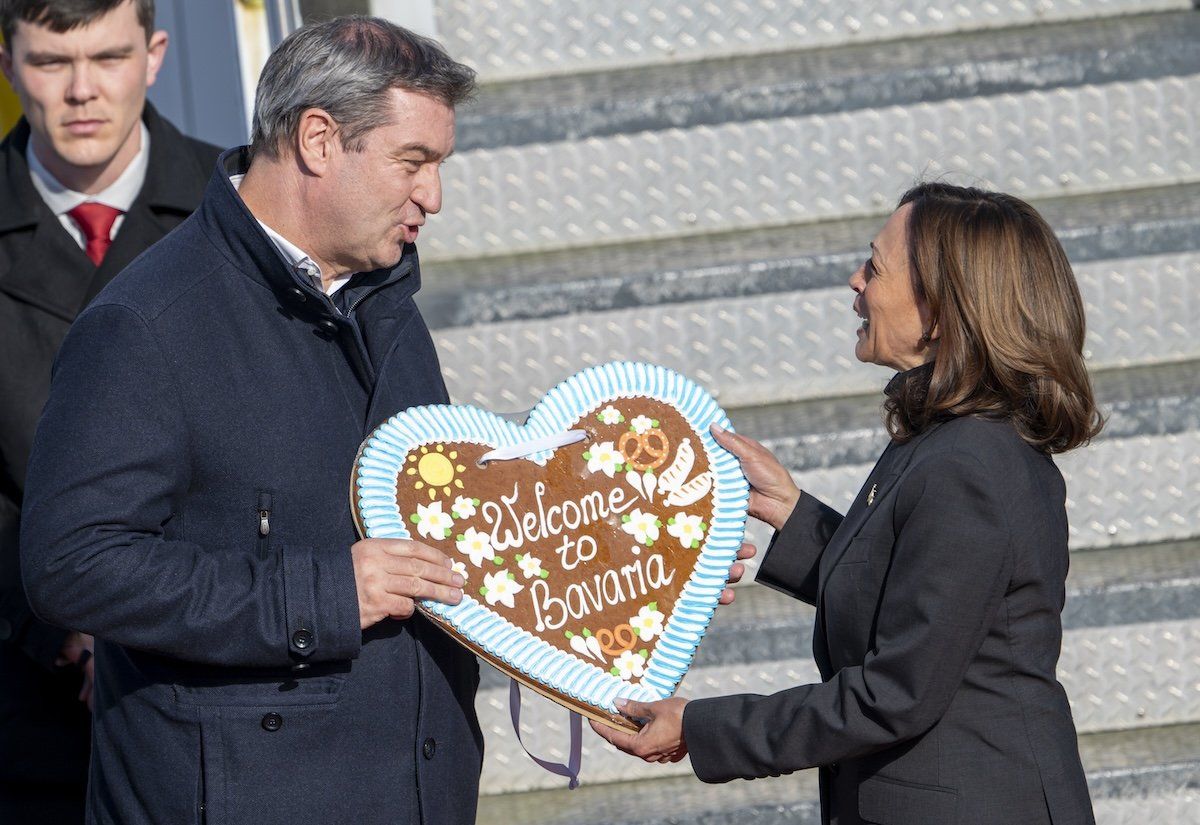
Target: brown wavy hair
{"type": "Point", "coordinates": [1009, 316]}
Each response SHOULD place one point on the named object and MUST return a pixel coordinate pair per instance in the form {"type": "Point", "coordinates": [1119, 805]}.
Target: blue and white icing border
{"type": "Point", "coordinates": [381, 463]}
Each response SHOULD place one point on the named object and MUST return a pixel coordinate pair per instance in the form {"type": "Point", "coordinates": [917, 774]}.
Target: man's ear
{"type": "Point", "coordinates": [316, 140]}
{"type": "Point", "coordinates": [156, 50]}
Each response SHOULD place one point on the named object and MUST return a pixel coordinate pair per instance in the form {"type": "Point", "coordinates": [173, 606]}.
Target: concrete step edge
{"type": "Point", "coordinates": [1107, 226]}
{"type": "Point", "coordinates": [1154, 399]}
{"type": "Point", "coordinates": [1106, 588]}
{"type": "Point", "coordinates": [787, 170]}
{"type": "Point", "coordinates": [507, 41]}
{"type": "Point", "coordinates": [856, 76]}
{"type": "Point", "coordinates": [1160, 763]}
{"type": "Point", "coordinates": [790, 346]}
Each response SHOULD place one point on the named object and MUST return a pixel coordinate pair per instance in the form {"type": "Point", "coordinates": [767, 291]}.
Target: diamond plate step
{"type": "Point", "coordinates": [1120, 491]}
{"type": "Point", "coordinates": [684, 182]}
{"type": "Point", "coordinates": [1137, 482]}
{"type": "Point", "coordinates": [1105, 588]}
{"type": "Point", "coordinates": [779, 347]}
{"type": "Point", "coordinates": [526, 38]}
{"type": "Point", "coordinates": [1121, 677]}
{"type": "Point", "coordinates": [1135, 777]}
{"type": "Point", "coordinates": [808, 435]}
{"type": "Point", "coordinates": [756, 262]}
{"type": "Point", "coordinates": [754, 87]}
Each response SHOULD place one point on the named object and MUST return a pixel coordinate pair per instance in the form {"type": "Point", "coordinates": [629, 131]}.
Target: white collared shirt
{"type": "Point", "coordinates": [296, 257]}
{"type": "Point", "coordinates": [120, 194]}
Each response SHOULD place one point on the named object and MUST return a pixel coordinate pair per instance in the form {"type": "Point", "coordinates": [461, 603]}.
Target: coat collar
{"type": "Point", "coordinates": [50, 270]}
{"type": "Point", "coordinates": [170, 185]}
{"type": "Point", "coordinates": [229, 224]}
{"type": "Point", "coordinates": [21, 207]}
{"type": "Point", "coordinates": [174, 178]}
{"type": "Point", "coordinates": [879, 485]}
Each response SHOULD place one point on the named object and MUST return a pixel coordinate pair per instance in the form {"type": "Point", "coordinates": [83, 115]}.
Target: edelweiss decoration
{"type": "Point", "coordinates": [592, 565]}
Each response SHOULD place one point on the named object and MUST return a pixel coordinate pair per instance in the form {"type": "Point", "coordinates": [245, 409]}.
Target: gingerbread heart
{"type": "Point", "coordinates": [595, 539]}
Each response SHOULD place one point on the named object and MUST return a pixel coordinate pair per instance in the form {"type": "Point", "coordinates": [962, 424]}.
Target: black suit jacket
{"type": "Point", "coordinates": [45, 281]}
{"type": "Point", "coordinates": [938, 632]}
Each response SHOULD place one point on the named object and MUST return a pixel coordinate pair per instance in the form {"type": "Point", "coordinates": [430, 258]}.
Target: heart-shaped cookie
{"type": "Point", "coordinates": [593, 568]}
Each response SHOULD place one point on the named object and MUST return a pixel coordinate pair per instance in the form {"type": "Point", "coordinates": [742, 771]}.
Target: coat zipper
{"type": "Point", "coordinates": [264, 522]}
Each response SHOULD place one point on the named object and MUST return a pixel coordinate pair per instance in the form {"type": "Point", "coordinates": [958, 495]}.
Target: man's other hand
{"type": "Point", "coordinates": [77, 650]}
{"type": "Point", "coordinates": [391, 575]}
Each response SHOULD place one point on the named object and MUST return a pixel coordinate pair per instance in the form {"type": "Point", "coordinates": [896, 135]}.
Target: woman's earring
{"type": "Point", "coordinates": [925, 339]}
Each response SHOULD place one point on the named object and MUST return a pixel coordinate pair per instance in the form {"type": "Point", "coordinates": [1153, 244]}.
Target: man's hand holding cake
{"type": "Point", "coordinates": [392, 575]}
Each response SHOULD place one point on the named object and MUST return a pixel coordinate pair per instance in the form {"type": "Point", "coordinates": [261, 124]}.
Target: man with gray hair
{"type": "Point", "coordinates": [186, 501]}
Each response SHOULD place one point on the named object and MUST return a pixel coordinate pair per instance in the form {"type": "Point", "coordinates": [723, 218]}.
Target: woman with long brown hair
{"type": "Point", "coordinates": [939, 592]}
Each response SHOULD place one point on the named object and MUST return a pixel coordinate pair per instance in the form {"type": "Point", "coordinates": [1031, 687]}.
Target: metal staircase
{"type": "Point", "coordinates": [692, 183]}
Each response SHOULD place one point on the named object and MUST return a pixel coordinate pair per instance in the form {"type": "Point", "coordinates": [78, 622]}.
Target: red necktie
{"type": "Point", "coordinates": [96, 221]}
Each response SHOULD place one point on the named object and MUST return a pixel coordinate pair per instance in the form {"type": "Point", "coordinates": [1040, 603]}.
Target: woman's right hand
{"type": "Point", "coordinates": [773, 494]}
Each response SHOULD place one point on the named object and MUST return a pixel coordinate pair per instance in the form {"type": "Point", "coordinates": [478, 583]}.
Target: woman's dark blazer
{"type": "Point", "coordinates": [938, 631]}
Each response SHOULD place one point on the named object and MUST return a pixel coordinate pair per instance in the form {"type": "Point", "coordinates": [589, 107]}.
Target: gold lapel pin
{"type": "Point", "coordinates": [871, 495]}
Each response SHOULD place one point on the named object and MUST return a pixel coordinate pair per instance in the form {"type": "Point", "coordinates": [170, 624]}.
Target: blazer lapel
{"type": "Point", "coordinates": [880, 480]}
{"type": "Point", "coordinates": [47, 268]}
{"type": "Point", "coordinates": [888, 470]}
{"type": "Point", "coordinates": [51, 272]}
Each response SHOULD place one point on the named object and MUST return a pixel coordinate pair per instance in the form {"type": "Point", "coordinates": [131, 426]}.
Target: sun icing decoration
{"type": "Point", "coordinates": [437, 469]}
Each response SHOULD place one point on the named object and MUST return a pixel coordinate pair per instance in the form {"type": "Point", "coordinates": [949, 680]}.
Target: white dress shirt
{"type": "Point", "coordinates": [120, 194]}
{"type": "Point", "coordinates": [296, 257]}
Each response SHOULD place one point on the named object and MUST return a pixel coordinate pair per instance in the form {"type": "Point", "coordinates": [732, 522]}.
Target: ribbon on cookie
{"type": "Point", "coordinates": [575, 750]}
{"type": "Point", "coordinates": [575, 753]}
{"type": "Point", "coordinates": [536, 445]}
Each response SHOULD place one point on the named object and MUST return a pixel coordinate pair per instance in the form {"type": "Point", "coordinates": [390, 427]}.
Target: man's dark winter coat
{"type": "Point", "coordinates": [188, 504]}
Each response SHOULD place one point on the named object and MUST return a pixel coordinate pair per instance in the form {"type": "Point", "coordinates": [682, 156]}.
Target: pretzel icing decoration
{"type": "Point", "coordinates": [616, 641]}
{"type": "Point", "coordinates": [657, 452]}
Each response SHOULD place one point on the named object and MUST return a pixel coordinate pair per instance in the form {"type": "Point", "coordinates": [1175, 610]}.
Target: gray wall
{"type": "Point", "coordinates": [199, 88]}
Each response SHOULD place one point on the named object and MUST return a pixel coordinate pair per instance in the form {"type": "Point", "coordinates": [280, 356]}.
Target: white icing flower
{"type": "Point", "coordinates": [648, 622]}
{"type": "Point", "coordinates": [603, 458]}
{"type": "Point", "coordinates": [464, 507]}
{"type": "Point", "coordinates": [629, 665]}
{"type": "Point", "coordinates": [431, 522]}
{"type": "Point", "coordinates": [610, 415]}
{"type": "Point", "coordinates": [530, 566]}
{"type": "Point", "coordinates": [477, 546]}
{"type": "Point", "coordinates": [642, 526]}
{"type": "Point", "coordinates": [500, 587]}
{"type": "Point", "coordinates": [642, 424]}
{"type": "Point", "coordinates": [688, 529]}
{"type": "Point", "coordinates": [460, 568]}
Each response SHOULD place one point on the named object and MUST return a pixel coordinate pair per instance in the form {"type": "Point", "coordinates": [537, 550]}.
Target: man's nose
{"type": "Point", "coordinates": [427, 193]}
{"type": "Point", "coordinates": [82, 87]}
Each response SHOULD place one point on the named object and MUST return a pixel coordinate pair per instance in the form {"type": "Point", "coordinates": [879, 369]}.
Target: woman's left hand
{"type": "Point", "coordinates": [660, 740]}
